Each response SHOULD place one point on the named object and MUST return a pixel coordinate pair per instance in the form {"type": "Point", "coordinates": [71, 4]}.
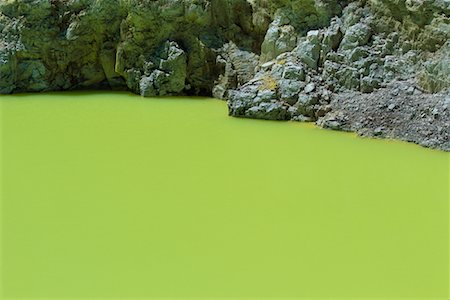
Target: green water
{"type": "Point", "coordinates": [112, 195]}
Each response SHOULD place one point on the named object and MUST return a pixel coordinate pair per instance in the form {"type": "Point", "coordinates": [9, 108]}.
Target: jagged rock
{"type": "Point", "coordinates": [267, 111]}
{"type": "Point", "coordinates": [348, 77]}
{"type": "Point", "coordinates": [280, 37]}
{"type": "Point", "coordinates": [435, 75]}
{"type": "Point", "coordinates": [289, 89]}
{"type": "Point", "coordinates": [308, 49]}
{"type": "Point", "coordinates": [309, 88]}
{"type": "Point", "coordinates": [331, 38]}
{"type": "Point", "coordinates": [33, 72]}
{"type": "Point", "coordinates": [262, 56]}
{"type": "Point", "coordinates": [169, 76]}
{"type": "Point", "coordinates": [8, 65]}
{"type": "Point", "coordinates": [369, 84]}
{"type": "Point", "coordinates": [357, 35]}
{"type": "Point", "coordinates": [240, 66]}
{"type": "Point", "coordinates": [334, 121]}
{"type": "Point", "coordinates": [358, 54]}
{"type": "Point", "coordinates": [306, 103]}
{"type": "Point", "coordinates": [294, 72]}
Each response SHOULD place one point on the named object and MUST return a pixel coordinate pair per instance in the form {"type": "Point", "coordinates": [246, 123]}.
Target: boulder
{"type": "Point", "coordinates": [308, 49]}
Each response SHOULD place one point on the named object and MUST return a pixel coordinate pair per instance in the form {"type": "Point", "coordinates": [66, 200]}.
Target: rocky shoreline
{"type": "Point", "coordinates": [378, 67]}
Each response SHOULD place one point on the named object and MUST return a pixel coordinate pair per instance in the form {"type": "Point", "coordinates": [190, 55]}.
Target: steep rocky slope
{"type": "Point", "coordinates": [377, 67]}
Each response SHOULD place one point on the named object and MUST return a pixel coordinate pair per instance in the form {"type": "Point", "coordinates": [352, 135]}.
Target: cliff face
{"type": "Point", "coordinates": [271, 59]}
{"type": "Point", "coordinates": [150, 47]}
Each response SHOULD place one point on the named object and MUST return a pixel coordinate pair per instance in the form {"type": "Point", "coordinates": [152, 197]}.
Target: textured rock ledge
{"type": "Point", "coordinates": [377, 67]}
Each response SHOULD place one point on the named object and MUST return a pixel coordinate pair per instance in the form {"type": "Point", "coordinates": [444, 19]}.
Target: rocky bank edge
{"type": "Point", "coordinates": [377, 67]}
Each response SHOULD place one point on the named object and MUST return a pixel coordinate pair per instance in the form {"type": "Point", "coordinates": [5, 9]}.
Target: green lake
{"type": "Point", "coordinates": [110, 195]}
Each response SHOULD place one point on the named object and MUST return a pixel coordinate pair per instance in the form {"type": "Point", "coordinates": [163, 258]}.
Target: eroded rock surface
{"type": "Point", "coordinates": [377, 67]}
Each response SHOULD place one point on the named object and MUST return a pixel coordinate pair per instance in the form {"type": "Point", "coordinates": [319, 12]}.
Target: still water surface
{"type": "Point", "coordinates": [112, 195]}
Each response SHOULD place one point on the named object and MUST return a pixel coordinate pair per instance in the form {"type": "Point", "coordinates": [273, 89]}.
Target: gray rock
{"type": "Point", "coordinates": [264, 57]}
{"type": "Point", "coordinates": [357, 35]}
{"type": "Point", "coordinates": [378, 131]}
{"type": "Point", "coordinates": [239, 68]}
{"type": "Point", "coordinates": [310, 87]}
{"type": "Point", "coordinates": [369, 84]}
{"type": "Point", "coordinates": [391, 107]}
{"type": "Point", "coordinates": [170, 76]}
{"type": "Point", "coordinates": [268, 111]}
{"type": "Point", "coordinates": [8, 72]}
{"type": "Point", "coordinates": [280, 37]}
{"type": "Point", "coordinates": [294, 72]}
{"type": "Point", "coordinates": [306, 104]}
{"type": "Point", "coordinates": [349, 77]}
{"type": "Point", "coordinates": [358, 54]}
{"type": "Point", "coordinates": [308, 50]}
{"type": "Point", "coordinates": [34, 74]}
{"type": "Point", "coordinates": [435, 73]}
{"type": "Point", "coordinates": [331, 39]}
{"type": "Point", "coordinates": [289, 89]}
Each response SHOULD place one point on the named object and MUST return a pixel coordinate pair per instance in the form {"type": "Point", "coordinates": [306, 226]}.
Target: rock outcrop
{"type": "Point", "coordinates": [377, 67]}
